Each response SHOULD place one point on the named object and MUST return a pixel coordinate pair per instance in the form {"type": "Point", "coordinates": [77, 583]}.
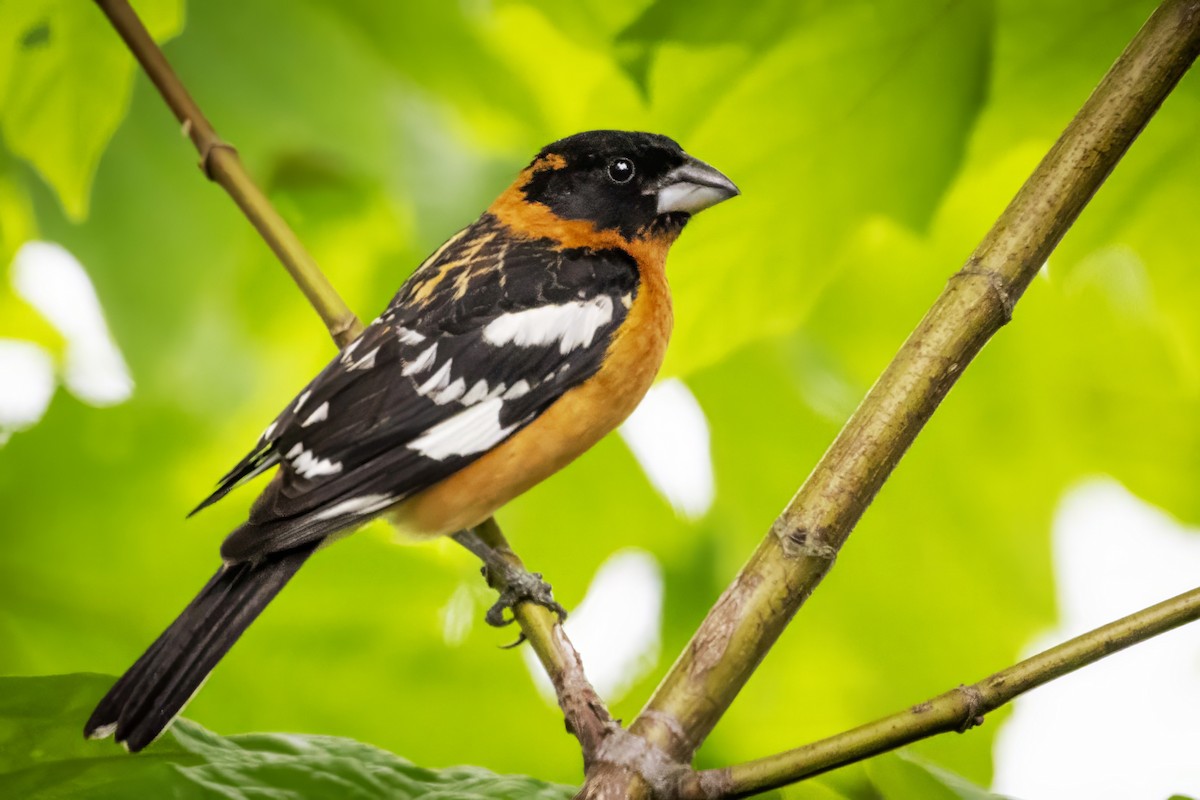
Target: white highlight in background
{"type": "Point", "coordinates": [26, 385]}
{"type": "Point", "coordinates": [668, 434]}
{"type": "Point", "coordinates": [1126, 727]}
{"type": "Point", "coordinates": [617, 629]}
{"type": "Point", "coordinates": [53, 281]}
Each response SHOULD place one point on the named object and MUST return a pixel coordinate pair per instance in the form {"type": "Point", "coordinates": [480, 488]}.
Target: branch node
{"type": "Point", "coordinates": [973, 717]}
{"type": "Point", "coordinates": [802, 542]}
{"type": "Point", "coordinates": [709, 784]}
{"type": "Point", "coordinates": [346, 330]}
{"type": "Point", "coordinates": [652, 764]}
{"type": "Point", "coordinates": [668, 721]}
{"type": "Point", "coordinates": [207, 150]}
{"type": "Point", "coordinates": [996, 284]}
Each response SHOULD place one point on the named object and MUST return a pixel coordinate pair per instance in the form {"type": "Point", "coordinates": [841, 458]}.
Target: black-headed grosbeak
{"type": "Point", "coordinates": [515, 347]}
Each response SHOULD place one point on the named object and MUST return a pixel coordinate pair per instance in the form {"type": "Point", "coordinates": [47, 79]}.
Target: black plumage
{"type": "Point", "coordinates": [154, 690]}
{"type": "Point", "coordinates": [558, 282]}
{"type": "Point", "coordinates": [373, 413]}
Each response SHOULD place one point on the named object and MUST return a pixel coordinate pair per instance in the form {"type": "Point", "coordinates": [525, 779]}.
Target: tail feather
{"type": "Point", "coordinates": [145, 700]}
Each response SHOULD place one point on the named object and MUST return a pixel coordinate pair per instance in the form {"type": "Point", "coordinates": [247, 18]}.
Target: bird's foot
{"type": "Point", "coordinates": [520, 586]}
{"type": "Point", "coordinates": [517, 585]}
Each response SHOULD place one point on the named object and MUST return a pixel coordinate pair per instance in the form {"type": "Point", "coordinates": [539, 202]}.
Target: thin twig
{"type": "Point", "coordinates": [956, 710]}
{"type": "Point", "coordinates": [803, 543]}
{"type": "Point", "coordinates": [585, 713]}
{"type": "Point", "coordinates": [220, 163]}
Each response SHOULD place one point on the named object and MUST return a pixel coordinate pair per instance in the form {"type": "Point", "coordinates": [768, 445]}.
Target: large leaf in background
{"type": "Point", "coordinates": [903, 776]}
{"type": "Point", "coordinates": [889, 88]}
{"type": "Point", "coordinates": [65, 81]}
{"type": "Point", "coordinates": [947, 575]}
{"type": "Point", "coordinates": [708, 24]}
{"type": "Point", "coordinates": [43, 755]}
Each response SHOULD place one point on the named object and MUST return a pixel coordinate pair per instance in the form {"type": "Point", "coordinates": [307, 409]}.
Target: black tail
{"type": "Point", "coordinates": [156, 688]}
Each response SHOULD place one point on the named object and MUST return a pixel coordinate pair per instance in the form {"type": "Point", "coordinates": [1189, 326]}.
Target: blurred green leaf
{"type": "Point", "coordinates": [706, 24]}
{"type": "Point", "coordinates": [593, 23]}
{"type": "Point", "coordinates": [903, 776]}
{"type": "Point", "coordinates": [65, 81]}
{"type": "Point", "coordinates": [810, 789]}
{"type": "Point", "coordinates": [860, 109]}
{"type": "Point", "coordinates": [43, 755]}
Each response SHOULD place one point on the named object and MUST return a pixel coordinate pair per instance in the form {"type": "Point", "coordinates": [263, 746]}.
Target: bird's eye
{"type": "Point", "coordinates": [620, 170]}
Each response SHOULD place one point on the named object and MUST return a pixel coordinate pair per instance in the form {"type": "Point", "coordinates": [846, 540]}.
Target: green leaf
{"type": "Point", "coordinates": [43, 755]}
{"type": "Point", "coordinates": [810, 789]}
{"type": "Point", "coordinates": [65, 82]}
{"type": "Point", "coordinates": [594, 23]}
{"type": "Point", "coordinates": [860, 110]}
{"type": "Point", "coordinates": [904, 776]}
{"type": "Point", "coordinates": [705, 23]}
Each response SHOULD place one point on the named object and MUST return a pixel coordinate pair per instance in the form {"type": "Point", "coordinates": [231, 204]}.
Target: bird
{"type": "Point", "coordinates": [517, 345]}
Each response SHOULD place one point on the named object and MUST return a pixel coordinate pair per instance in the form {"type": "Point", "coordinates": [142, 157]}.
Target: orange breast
{"type": "Point", "coordinates": [575, 422]}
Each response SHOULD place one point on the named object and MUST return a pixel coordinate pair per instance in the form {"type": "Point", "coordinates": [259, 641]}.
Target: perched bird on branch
{"type": "Point", "coordinates": [515, 347]}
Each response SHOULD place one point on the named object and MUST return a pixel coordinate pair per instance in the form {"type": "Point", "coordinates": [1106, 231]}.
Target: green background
{"type": "Point", "coordinates": [874, 143]}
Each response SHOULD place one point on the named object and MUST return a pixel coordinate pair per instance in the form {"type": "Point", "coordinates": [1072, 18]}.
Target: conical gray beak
{"type": "Point", "coordinates": [693, 187]}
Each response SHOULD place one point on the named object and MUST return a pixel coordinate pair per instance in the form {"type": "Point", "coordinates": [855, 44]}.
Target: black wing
{"type": "Point", "coordinates": [485, 336]}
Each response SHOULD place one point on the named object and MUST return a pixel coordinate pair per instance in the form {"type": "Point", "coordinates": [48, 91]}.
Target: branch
{"type": "Point", "coordinates": [586, 714]}
{"type": "Point", "coordinates": [956, 710]}
{"type": "Point", "coordinates": [220, 163]}
{"type": "Point", "coordinates": [804, 541]}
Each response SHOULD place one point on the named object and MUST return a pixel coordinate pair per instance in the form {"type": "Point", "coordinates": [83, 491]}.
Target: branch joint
{"type": "Point", "coordinates": [206, 154]}
{"type": "Point", "coordinates": [975, 710]}
{"type": "Point", "coordinates": [995, 283]}
{"type": "Point", "coordinates": [630, 752]}
{"type": "Point", "coordinates": [802, 542]}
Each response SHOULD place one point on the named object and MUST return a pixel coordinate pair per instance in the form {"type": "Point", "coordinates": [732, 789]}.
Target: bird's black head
{"type": "Point", "coordinates": [639, 184]}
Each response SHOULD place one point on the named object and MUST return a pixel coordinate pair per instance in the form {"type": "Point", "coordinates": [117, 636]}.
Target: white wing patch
{"type": "Point", "coordinates": [470, 431]}
{"type": "Point", "coordinates": [409, 336]}
{"type": "Point", "coordinates": [440, 380]}
{"type": "Point", "coordinates": [366, 362]}
{"type": "Point", "coordinates": [519, 389]}
{"type": "Point", "coordinates": [321, 413]}
{"type": "Point", "coordinates": [307, 465]}
{"type": "Point", "coordinates": [422, 362]}
{"type": "Point", "coordinates": [478, 392]}
{"type": "Point", "coordinates": [349, 351]}
{"type": "Point", "coordinates": [451, 392]}
{"type": "Point", "coordinates": [367, 504]}
{"type": "Point", "coordinates": [571, 324]}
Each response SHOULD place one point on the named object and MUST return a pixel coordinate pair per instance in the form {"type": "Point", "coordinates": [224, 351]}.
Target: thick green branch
{"type": "Point", "coordinates": [802, 545]}
{"type": "Point", "coordinates": [219, 161]}
{"type": "Point", "coordinates": [956, 710]}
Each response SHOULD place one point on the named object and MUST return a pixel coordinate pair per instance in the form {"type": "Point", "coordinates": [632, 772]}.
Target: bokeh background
{"type": "Point", "coordinates": [874, 142]}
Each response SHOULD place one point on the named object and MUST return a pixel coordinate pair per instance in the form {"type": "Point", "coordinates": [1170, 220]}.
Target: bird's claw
{"type": "Point", "coordinates": [522, 587]}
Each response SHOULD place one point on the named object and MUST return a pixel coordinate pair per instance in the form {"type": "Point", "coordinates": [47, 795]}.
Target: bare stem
{"type": "Point", "coordinates": [804, 541]}
{"type": "Point", "coordinates": [585, 713]}
{"type": "Point", "coordinates": [956, 710]}
{"type": "Point", "coordinates": [220, 163]}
